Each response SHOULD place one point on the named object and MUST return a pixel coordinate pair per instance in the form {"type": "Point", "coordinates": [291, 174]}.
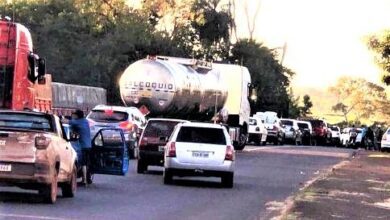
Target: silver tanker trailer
{"type": "Point", "coordinates": [190, 89]}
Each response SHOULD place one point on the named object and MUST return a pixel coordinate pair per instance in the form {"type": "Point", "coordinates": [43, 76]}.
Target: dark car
{"type": "Point", "coordinates": [152, 142]}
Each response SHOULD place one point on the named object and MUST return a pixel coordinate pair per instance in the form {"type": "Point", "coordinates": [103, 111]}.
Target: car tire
{"type": "Point", "coordinates": [141, 166]}
{"type": "Point", "coordinates": [227, 180]}
{"type": "Point", "coordinates": [167, 177]}
{"type": "Point", "coordinates": [49, 191]}
{"type": "Point", "coordinates": [69, 188]}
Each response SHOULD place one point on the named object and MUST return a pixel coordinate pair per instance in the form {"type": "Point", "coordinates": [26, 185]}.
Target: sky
{"type": "Point", "coordinates": [325, 38]}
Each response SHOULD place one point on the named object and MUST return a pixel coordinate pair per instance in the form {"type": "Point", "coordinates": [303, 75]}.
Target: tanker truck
{"type": "Point", "coordinates": [190, 89]}
{"type": "Point", "coordinates": [24, 83]}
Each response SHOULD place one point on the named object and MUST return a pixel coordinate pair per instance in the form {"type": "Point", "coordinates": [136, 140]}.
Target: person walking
{"type": "Point", "coordinates": [80, 125]}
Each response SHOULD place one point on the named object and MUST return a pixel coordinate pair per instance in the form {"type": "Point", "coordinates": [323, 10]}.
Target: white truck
{"type": "Point", "coordinates": [172, 87]}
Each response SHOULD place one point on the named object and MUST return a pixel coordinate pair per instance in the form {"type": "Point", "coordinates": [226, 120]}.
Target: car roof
{"type": "Point", "coordinates": [116, 108]}
{"type": "Point", "coordinates": [167, 119]}
{"type": "Point", "coordinates": [306, 122]}
{"type": "Point", "coordinates": [201, 125]}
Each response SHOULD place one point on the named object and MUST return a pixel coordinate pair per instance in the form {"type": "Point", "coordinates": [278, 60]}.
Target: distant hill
{"type": "Point", "coordinates": [322, 100]}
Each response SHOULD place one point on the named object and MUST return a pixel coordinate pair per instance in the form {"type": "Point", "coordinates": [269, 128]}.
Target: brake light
{"type": "Point", "coordinates": [229, 153]}
{"type": "Point", "coordinates": [171, 149]}
{"type": "Point", "coordinates": [126, 125]}
{"type": "Point", "coordinates": [384, 137]}
{"type": "Point", "coordinates": [42, 142]}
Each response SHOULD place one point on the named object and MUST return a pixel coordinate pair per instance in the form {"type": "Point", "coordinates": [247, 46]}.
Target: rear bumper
{"type": "Point", "coordinates": [152, 157]}
{"type": "Point", "coordinates": [197, 172]}
{"type": "Point", "coordinates": [26, 173]}
{"type": "Point", "coordinates": [189, 169]}
{"type": "Point", "coordinates": [385, 145]}
{"type": "Point", "coordinates": [254, 136]}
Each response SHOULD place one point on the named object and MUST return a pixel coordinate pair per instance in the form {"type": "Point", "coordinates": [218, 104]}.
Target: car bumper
{"type": "Point", "coordinates": [385, 145]}
{"type": "Point", "coordinates": [199, 169]}
{"type": "Point", "coordinates": [25, 173]}
{"type": "Point", "coordinates": [152, 157]}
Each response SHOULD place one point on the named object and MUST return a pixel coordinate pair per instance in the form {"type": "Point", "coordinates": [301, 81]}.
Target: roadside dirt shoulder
{"type": "Point", "coordinates": [359, 189]}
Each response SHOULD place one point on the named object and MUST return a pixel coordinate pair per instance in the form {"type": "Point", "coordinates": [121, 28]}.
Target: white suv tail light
{"type": "Point", "coordinates": [171, 149]}
{"type": "Point", "coordinates": [229, 153]}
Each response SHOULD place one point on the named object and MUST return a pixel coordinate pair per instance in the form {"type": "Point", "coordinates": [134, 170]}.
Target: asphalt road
{"type": "Point", "coordinates": [264, 177]}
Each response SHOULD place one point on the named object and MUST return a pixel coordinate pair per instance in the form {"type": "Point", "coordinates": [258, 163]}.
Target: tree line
{"type": "Point", "coordinates": [91, 42]}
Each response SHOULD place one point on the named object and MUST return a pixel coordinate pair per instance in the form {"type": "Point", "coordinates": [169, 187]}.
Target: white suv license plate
{"type": "Point", "coordinates": [200, 154]}
{"type": "Point", "coordinates": [5, 167]}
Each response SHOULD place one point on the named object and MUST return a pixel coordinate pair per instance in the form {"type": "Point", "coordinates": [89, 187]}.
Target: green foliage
{"type": "Point", "coordinates": [307, 105]}
{"type": "Point", "coordinates": [270, 79]}
{"type": "Point", "coordinates": [380, 44]}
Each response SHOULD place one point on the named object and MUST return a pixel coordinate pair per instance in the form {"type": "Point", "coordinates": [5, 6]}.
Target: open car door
{"type": "Point", "coordinates": [109, 154]}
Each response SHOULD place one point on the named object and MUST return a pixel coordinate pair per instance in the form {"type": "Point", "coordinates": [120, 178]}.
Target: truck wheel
{"type": "Point", "coordinates": [228, 180]}
{"type": "Point", "coordinates": [167, 177]}
{"type": "Point", "coordinates": [69, 188]}
{"type": "Point", "coordinates": [141, 166]}
{"type": "Point", "coordinates": [49, 192]}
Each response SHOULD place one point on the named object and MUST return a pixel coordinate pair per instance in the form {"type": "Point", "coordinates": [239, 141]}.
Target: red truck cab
{"type": "Point", "coordinates": [22, 73]}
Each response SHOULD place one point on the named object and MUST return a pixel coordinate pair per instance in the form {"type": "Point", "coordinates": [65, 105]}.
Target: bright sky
{"type": "Point", "coordinates": [325, 38]}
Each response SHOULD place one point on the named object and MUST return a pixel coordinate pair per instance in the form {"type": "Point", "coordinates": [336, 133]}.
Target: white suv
{"type": "Point", "coordinates": [199, 149]}
{"type": "Point", "coordinates": [257, 131]}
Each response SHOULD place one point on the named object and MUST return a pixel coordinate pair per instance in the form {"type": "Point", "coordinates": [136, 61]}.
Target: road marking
{"type": "Point", "coordinates": [30, 216]}
{"type": "Point", "coordinates": [300, 151]}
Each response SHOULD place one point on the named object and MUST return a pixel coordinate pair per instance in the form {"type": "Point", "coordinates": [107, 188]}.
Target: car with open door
{"type": "Point", "coordinates": [109, 153]}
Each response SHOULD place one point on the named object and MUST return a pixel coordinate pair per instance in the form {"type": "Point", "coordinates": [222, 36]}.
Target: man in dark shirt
{"type": "Point", "coordinates": [81, 126]}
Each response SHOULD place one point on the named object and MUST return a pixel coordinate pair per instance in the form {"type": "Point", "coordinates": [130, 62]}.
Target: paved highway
{"type": "Point", "coordinates": [264, 178]}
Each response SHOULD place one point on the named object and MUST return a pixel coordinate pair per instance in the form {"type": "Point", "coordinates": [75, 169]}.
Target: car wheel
{"type": "Point", "coordinates": [141, 166]}
{"type": "Point", "coordinates": [49, 192]}
{"type": "Point", "coordinates": [258, 141]}
{"type": "Point", "coordinates": [167, 177]}
{"type": "Point", "coordinates": [69, 188]}
{"type": "Point", "coordinates": [227, 180]}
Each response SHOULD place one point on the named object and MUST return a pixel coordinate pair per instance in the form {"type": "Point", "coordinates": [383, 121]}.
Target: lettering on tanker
{"type": "Point", "coordinates": [146, 84]}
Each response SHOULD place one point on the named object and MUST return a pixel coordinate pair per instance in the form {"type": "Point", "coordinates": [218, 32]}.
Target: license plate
{"type": "Point", "coordinates": [5, 167]}
{"type": "Point", "coordinates": [200, 154]}
{"type": "Point", "coordinates": [161, 148]}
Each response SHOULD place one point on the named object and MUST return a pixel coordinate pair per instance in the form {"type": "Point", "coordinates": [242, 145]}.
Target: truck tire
{"type": "Point", "coordinates": [49, 191]}
{"type": "Point", "coordinates": [69, 188]}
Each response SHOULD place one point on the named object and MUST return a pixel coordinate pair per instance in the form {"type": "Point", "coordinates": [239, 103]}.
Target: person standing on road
{"type": "Point", "coordinates": [81, 126]}
{"type": "Point", "coordinates": [352, 135]}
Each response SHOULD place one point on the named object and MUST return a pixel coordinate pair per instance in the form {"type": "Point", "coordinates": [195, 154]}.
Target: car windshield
{"type": "Point", "coordinates": [201, 135]}
{"type": "Point", "coordinates": [108, 116]}
{"type": "Point", "coordinates": [26, 121]}
{"type": "Point", "coordinates": [252, 122]}
{"type": "Point", "coordinates": [160, 128]}
{"type": "Point", "coordinates": [287, 122]}
{"type": "Point", "coordinates": [303, 125]}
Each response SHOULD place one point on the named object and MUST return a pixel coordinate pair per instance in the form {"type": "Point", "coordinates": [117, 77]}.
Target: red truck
{"type": "Point", "coordinates": [24, 83]}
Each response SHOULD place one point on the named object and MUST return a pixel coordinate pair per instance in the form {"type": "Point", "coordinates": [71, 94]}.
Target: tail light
{"type": "Point", "coordinates": [143, 142]}
{"type": "Point", "coordinates": [229, 153]}
{"type": "Point", "coordinates": [384, 137]}
{"type": "Point", "coordinates": [42, 142]}
{"type": "Point", "coordinates": [171, 149]}
{"type": "Point", "coordinates": [126, 125]}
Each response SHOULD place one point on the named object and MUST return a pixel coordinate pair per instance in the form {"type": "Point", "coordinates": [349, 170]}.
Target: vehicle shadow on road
{"type": "Point", "coordinates": [20, 197]}
{"type": "Point", "coordinates": [196, 183]}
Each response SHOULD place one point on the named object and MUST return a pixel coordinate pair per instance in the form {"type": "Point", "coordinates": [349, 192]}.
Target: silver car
{"type": "Point", "coordinates": [199, 149]}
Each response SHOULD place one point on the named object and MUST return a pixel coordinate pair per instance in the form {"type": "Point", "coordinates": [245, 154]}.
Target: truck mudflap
{"type": "Point", "coordinates": [239, 137]}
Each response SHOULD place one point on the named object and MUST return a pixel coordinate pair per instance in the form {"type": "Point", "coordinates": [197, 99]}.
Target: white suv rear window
{"type": "Point", "coordinates": [201, 135]}
{"type": "Point", "coordinates": [108, 116]}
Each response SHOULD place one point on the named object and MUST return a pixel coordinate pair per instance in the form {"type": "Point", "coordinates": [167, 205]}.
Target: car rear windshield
{"type": "Point", "coordinates": [160, 128]}
{"type": "Point", "coordinates": [334, 129]}
{"type": "Point", "coordinates": [317, 123]}
{"type": "Point", "coordinates": [303, 125]}
{"type": "Point", "coordinates": [252, 122]}
{"type": "Point", "coordinates": [287, 122]}
{"type": "Point", "coordinates": [108, 116]}
{"type": "Point", "coordinates": [26, 121]}
{"type": "Point", "coordinates": [201, 135]}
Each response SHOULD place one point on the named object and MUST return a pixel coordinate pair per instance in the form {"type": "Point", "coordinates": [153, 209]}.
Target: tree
{"type": "Point", "coordinates": [361, 99]}
{"type": "Point", "coordinates": [307, 104]}
{"type": "Point", "coordinates": [380, 44]}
